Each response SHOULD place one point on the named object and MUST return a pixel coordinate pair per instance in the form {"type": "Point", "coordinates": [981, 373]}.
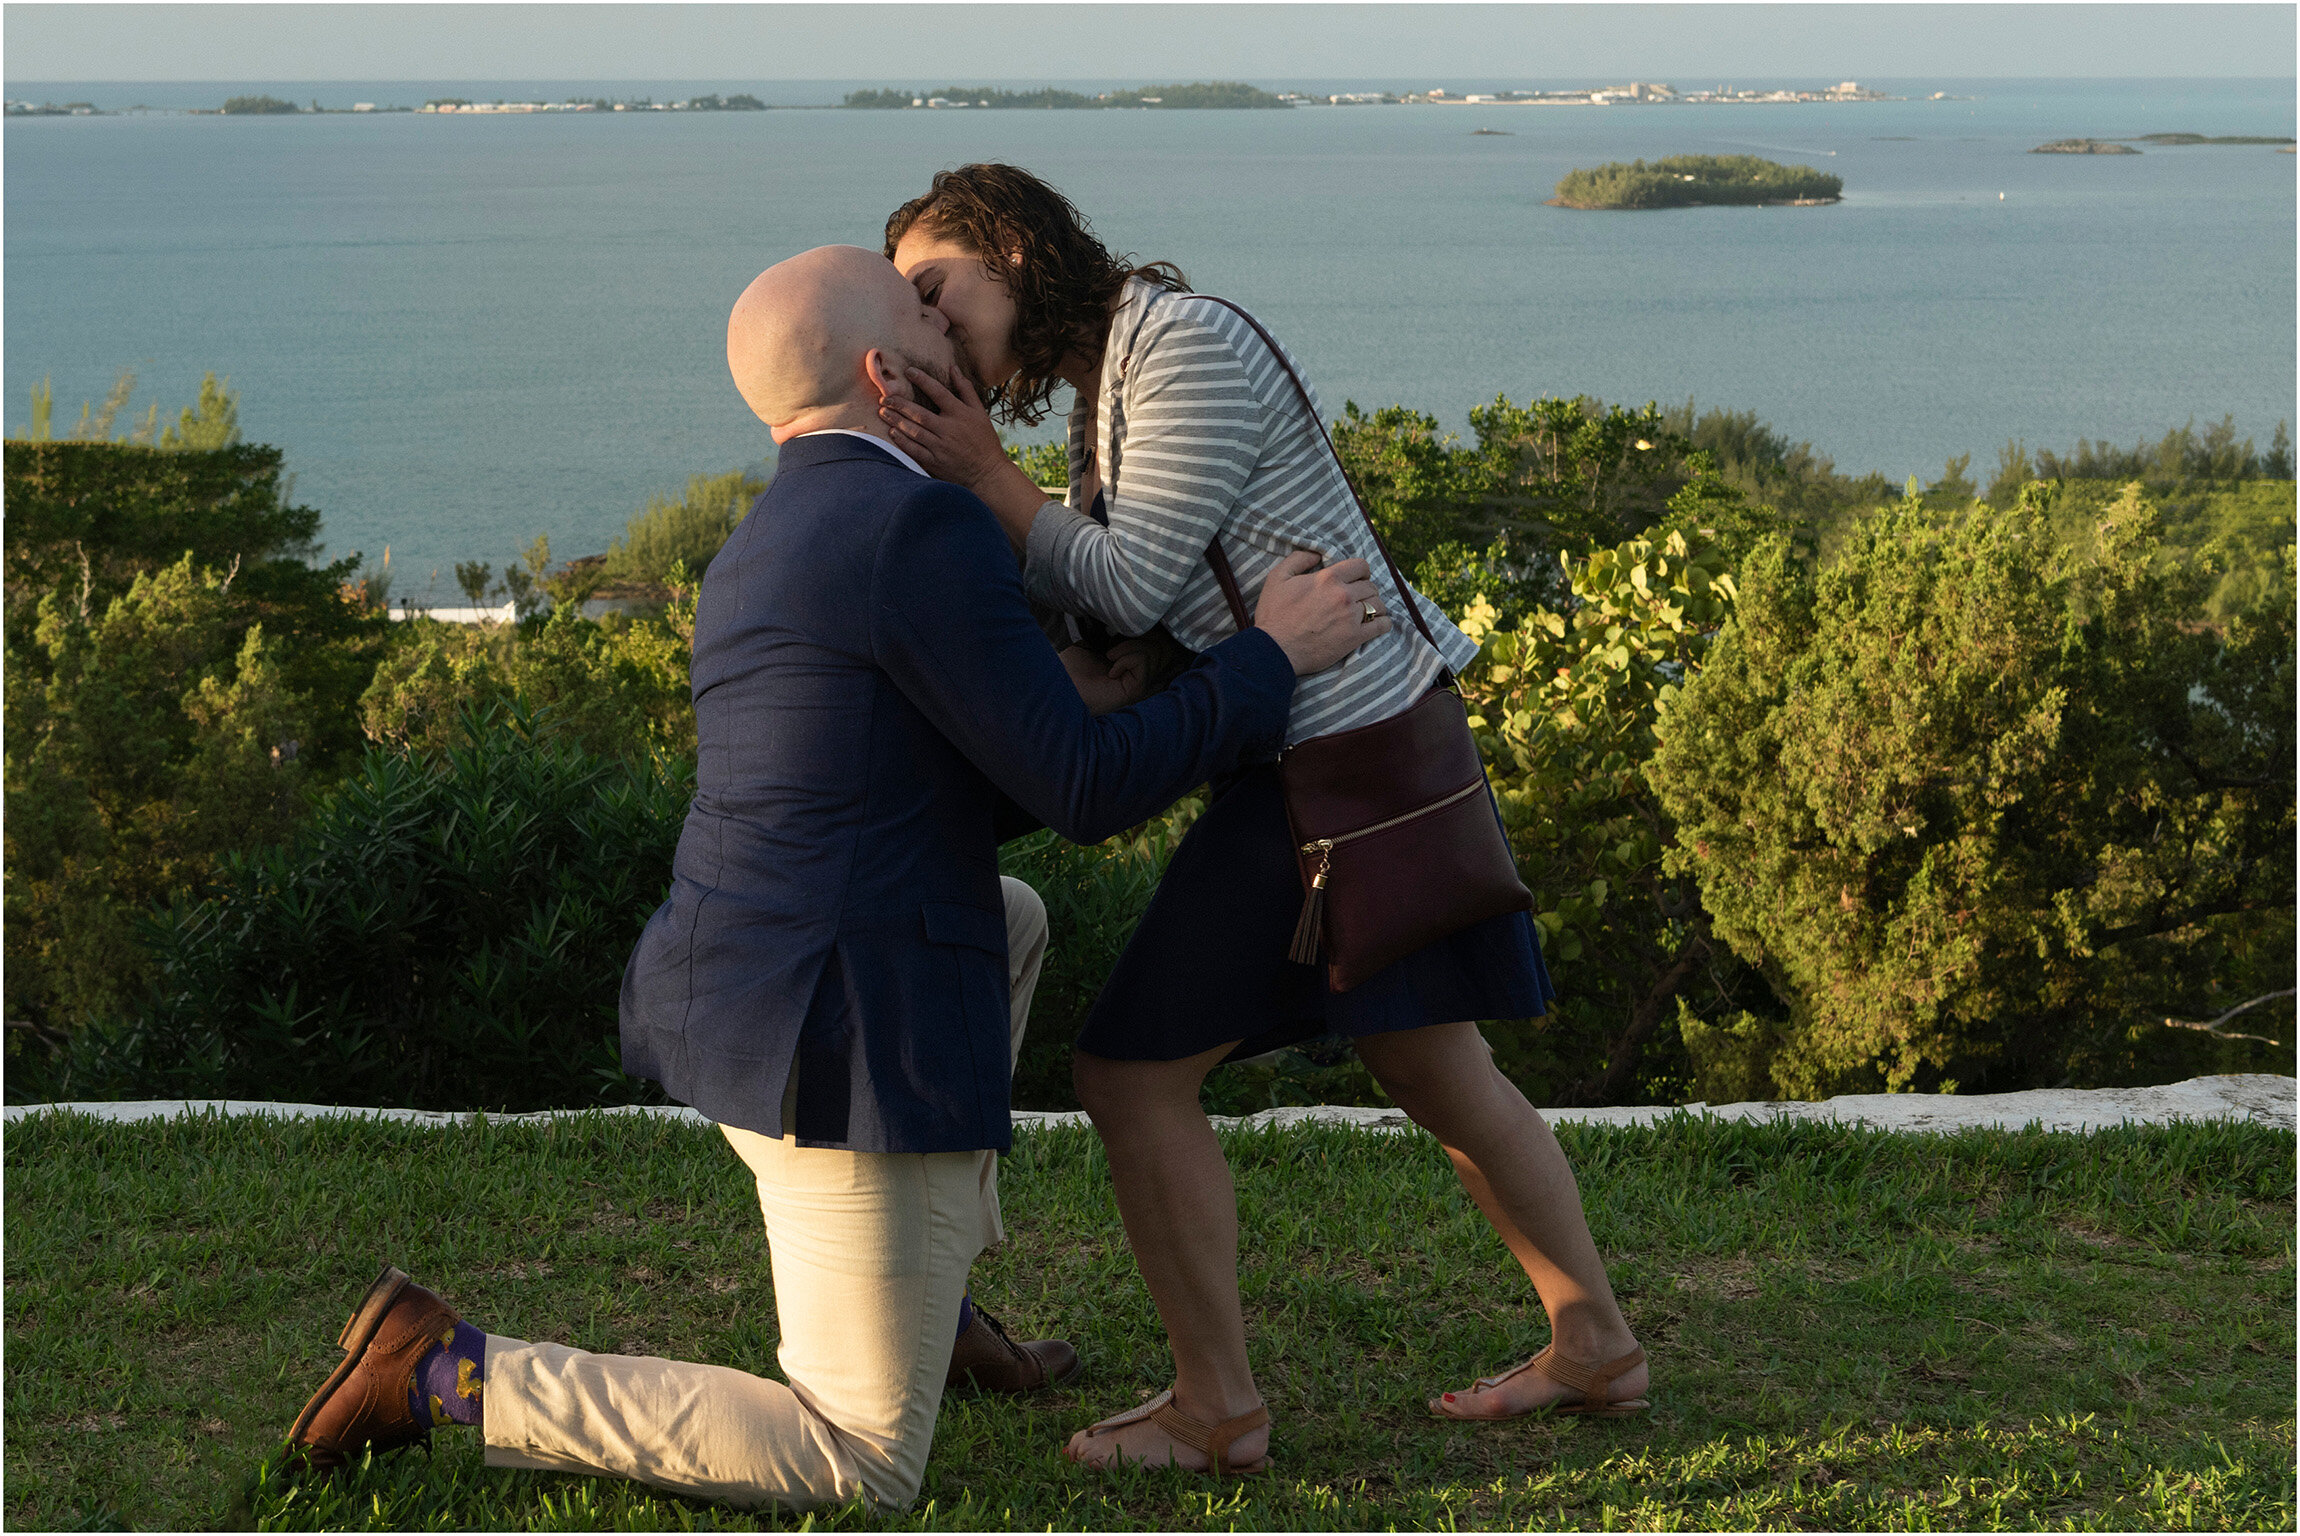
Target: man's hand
{"type": "Point", "coordinates": [1318, 617]}
{"type": "Point", "coordinates": [1103, 686]}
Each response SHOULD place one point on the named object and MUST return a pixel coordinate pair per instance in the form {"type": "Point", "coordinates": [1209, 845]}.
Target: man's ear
{"type": "Point", "coordinates": [886, 380]}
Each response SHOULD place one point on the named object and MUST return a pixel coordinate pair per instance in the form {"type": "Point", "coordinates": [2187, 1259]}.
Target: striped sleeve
{"type": "Point", "coordinates": [1192, 434]}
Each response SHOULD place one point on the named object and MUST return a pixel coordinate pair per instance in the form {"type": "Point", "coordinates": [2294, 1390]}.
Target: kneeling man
{"type": "Point", "coordinates": [829, 980]}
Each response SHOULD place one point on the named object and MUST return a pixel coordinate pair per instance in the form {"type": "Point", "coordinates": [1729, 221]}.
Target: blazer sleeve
{"type": "Point", "coordinates": [951, 627]}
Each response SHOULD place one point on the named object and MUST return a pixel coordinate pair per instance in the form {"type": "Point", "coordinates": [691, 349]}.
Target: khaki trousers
{"type": "Point", "coordinates": [870, 1253]}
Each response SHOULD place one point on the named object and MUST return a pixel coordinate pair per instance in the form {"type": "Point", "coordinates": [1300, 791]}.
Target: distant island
{"type": "Point", "coordinates": [2199, 138]}
{"type": "Point", "coordinates": [1218, 94]}
{"type": "Point", "coordinates": [2084, 147]}
{"type": "Point", "coordinates": [1698, 181]}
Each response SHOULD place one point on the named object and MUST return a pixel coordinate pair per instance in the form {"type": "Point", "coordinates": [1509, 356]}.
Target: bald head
{"type": "Point", "coordinates": [828, 331]}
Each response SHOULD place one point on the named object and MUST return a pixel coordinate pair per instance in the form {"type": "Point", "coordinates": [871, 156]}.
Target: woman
{"type": "Point", "coordinates": [1188, 427]}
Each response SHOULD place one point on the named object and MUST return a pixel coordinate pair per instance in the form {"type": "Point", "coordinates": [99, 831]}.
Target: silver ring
{"type": "Point", "coordinates": [1372, 613]}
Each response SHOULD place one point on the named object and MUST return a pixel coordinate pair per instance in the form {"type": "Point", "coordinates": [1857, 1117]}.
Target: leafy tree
{"type": "Point", "coordinates": [259, 105]}
{"type": "Point", "coordinates": [1765, 466]}
{"type": "Point", "coordinates": [147, 736]}
{"type": "Point", "coordinates": [1545, 479]}
{"type": "Point", "coordinates": [2182, 454]}
{"type": "Point", "coordinates": [473, 576]}
{"type": "Point", "coordinates": [1576, 474]}
{"type": "Point", "coordinates": [85, 520]}
{"type": "Point", "coordinates": [1954, 488]}
{"type": "Point", "coordinates": [1565, 708]}
{"type": "Point", "coordinates": [1423, 489]}
{"type": "Point", "coordinates": [1984, 810]}
{"type": "Point", "coordinates": [212, 422]}
{"type": "Point", "coordinates": [1046, 463]}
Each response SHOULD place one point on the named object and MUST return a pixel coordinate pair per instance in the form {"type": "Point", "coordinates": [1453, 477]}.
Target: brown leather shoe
{"type": "Point", "coordinates": [987, 1360]}
{"type": "Point", "coordinates": [364, 1403]}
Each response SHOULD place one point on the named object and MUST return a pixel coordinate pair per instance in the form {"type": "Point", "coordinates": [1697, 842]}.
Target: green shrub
{"type": "Point", "coordinates": [147, 738]}
{"type": "Point", "coordinates": [617, 686]}
{"type": "Point", "coordinates": [1565, 709]}
{"type": "Point", "coordinates": [165, 636]}
{"type": "Point", "coordinates": [447, 932]}
{"type": "Point", "coordinates": [691, 529]}
{"type": "Point", "coordinates": [1989, 812]}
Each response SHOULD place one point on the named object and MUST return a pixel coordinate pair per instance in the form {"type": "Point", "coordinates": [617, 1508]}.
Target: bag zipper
{"type": "Point", "coordinates": [1309, 932]}
{"type": "Point", "coordinates": [1324, 846]}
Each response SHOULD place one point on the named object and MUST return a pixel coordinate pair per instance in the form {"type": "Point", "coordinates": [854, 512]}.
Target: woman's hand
{"type": "Point", "coordinates": [956, 441]}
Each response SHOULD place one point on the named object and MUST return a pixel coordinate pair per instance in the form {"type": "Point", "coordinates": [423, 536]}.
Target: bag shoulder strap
{"type": "Point", "coordinates": [1221, 562]}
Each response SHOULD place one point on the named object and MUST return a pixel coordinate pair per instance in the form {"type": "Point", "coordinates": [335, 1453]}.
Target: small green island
{"type": "Point", "coordinates": [2084, 147]}
{"type": "Point", "coordinates": [2204, 138]}
{"type": "Point", "coordinates": [1698, 181]}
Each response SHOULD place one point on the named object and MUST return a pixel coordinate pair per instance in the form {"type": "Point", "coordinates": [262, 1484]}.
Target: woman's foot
{"type": "Point", "coordinates": [1159, 1433]}
{"type": "Point", "coordinates": [1551, 1381]}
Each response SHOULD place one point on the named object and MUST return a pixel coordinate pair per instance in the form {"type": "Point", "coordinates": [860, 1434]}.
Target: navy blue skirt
{"type": "Point", "coordinates": [1208, 963]}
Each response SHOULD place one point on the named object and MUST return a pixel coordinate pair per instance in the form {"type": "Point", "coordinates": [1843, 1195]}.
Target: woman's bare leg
{"type": "Point", "coordinates": [1444, 1077]}
{"type": "Point", "coordinates": [1181, 1215]}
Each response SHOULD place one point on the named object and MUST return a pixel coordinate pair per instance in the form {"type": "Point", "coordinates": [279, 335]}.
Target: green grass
{"type": "Point", "coordinates": [1849, 1329]}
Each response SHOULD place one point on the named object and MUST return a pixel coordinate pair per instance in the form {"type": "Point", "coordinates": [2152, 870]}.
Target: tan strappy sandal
{"type": "Point", "coordinates": [1213, 1440]}
{"type": "Point", "coordinates": [1591, 1381]}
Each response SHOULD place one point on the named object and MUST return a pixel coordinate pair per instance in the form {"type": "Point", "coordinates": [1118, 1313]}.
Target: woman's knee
{"type": "Point", "coordinates": [1436, 1075]}
{"type": "Point", "coordinates": [1103, 1086]}
{"type": "Point", "coordinates": [1111, 1090]}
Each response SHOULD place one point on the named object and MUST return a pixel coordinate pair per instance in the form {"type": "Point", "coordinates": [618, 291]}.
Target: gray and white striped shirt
{"type": "Point", "coordinates": [1200, 431]}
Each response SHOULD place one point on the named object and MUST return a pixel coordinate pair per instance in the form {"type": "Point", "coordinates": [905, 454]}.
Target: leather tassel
{"type": "Point", "coordinates": [1310, 932]}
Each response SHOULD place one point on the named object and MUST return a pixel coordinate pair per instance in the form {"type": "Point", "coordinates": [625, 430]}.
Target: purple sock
{"type": "Point", "coordinates": [965, 1313]}
{"type": "Point", "coordinates": [448, 1381]}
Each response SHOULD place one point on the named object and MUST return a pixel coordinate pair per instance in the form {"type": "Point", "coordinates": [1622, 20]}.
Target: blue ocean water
{"type": "Point", "coordinates": [468, 331]}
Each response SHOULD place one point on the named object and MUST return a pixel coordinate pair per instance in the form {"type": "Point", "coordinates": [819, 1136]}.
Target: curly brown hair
{"type": "Point", "coordinates": [1063, 285]}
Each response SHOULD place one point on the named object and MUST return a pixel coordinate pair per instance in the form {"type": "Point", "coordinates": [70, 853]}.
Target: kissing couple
{"type": "Point", "coordinates": [905, 655]}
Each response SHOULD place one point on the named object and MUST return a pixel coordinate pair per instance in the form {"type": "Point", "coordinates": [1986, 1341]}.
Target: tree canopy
{"type": "Point", "coordinates": [1693, 181]}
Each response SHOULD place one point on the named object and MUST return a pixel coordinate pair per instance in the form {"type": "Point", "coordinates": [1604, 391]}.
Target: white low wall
{"type": "Point", "coordinates": [2256, 1097]}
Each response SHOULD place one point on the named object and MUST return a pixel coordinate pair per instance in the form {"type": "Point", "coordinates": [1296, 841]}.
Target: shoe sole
{"type": "Point", "coordinates": [357, 1334]}
{"type": "Point", "coordinates": [1627, 1408]}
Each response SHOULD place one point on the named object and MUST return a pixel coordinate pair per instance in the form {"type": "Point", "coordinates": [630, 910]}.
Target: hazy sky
{"type": "Point", "coordinates": [53, 42]}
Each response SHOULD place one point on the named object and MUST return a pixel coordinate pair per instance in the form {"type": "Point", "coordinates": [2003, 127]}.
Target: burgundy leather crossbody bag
{"type": "Point", "coordinates": [1392, 823]}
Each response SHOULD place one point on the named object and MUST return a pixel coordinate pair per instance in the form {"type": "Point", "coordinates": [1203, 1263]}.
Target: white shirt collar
{"type": "Point", "coordinates": [903, 458]}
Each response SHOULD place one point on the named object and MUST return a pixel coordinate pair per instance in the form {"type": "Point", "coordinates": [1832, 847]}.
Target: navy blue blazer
{"type": "Point", "coordinates": [871, 693]}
